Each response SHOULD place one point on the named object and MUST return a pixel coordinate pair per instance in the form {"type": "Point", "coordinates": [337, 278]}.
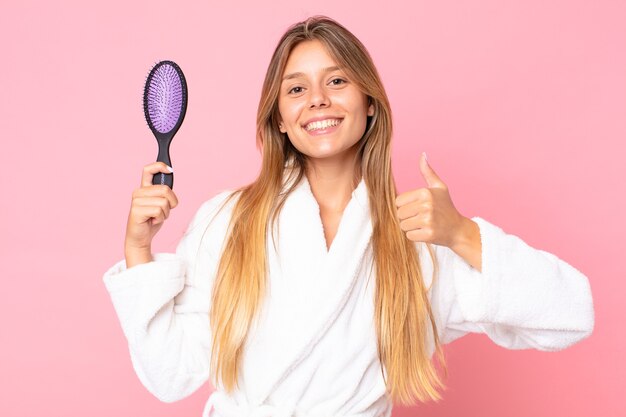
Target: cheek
{"type": "Point", "coordinates": [289, 111]}
{"type": "Point", "coordinates": [358, 110]}
{"type": "Point", "coordinates": [296, 144]}
{"type": "Point", "coordinates": [281, 111]}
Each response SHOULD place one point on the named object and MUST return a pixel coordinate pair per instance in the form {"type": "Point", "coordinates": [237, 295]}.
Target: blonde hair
{"type": "Point", "coordinates": [402, 308]}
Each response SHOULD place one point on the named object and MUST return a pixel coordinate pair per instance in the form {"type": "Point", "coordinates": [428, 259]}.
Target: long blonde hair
{"type": "Point", "coordinates": [402, 308]}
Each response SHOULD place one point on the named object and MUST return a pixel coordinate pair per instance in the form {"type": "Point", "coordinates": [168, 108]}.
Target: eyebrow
{"type": "Point", "coordinates": [301, 74]}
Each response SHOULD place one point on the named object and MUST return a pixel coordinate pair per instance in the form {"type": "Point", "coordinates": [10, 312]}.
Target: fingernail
{"type": "Point", "coordinates": [425, 156]}
{"type": "Point", "coordinates": [169, 168]}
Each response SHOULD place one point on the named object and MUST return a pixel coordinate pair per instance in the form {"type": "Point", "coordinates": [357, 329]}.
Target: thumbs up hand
{"type": "Point", "coordinates": [428, 214]}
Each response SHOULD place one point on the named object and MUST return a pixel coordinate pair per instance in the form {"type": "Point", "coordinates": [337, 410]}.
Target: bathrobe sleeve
{"type": "Point", "coordinates": [163, 309]}
{"type": "Point", "coordinates": [524, 298]}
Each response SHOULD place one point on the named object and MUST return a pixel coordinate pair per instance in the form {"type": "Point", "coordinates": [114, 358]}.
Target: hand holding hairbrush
{"type": "Point", "coordinates": [164, 106]}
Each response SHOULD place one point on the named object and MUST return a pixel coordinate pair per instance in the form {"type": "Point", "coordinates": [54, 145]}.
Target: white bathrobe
{"type": "Point", "coordinates": [313, 350]}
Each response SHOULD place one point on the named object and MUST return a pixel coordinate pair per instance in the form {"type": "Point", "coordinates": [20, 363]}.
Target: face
{"type": "Point", "coordinates": [322, 111]}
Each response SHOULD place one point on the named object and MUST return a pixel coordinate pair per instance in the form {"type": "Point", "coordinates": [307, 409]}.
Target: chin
{"type": "Point", "coordinates": [326, 153]}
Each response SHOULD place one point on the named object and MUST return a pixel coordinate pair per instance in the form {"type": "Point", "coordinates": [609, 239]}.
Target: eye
{"type": "Point", "coordinates": [338, 79]}
{"type": "Point", "coordinates": [289, 92]}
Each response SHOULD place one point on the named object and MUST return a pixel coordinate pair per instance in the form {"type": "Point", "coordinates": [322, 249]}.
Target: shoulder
{"type": "Point", "coordinates": [208, 227]}
{"type": "Point", "coordinates": [223, 201]}
{"type": "Point", "coordinates": [216, 210]}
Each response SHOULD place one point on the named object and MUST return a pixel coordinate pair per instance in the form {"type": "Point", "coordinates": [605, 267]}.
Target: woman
{"type": "Point", "coordinates": [309, 291]}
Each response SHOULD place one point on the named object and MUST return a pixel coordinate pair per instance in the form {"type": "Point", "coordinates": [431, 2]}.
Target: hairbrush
{"type": "Point", "coordinates": [165, 105]}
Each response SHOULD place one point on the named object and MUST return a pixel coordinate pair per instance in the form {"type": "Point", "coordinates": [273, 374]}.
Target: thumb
{"type": "Point", "coordinates": [432, 179]}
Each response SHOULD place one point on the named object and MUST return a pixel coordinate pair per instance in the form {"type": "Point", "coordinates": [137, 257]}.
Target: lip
{"type": "Point", "coordinates": [325, 131]}
{"type": "Point", "coordinates": [317, 119]}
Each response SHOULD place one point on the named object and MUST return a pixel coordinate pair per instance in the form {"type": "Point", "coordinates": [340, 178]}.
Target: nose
{"type": "Point", "coordinates": [318, 97]}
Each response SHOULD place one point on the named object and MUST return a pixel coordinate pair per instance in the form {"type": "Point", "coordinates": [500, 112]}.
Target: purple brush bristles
{"type": "Point", "coordinates": [165, 98]}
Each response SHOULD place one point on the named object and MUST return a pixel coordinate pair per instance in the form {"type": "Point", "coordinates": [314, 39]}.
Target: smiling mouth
{"type": "Point", "coordinates": [322, 124]}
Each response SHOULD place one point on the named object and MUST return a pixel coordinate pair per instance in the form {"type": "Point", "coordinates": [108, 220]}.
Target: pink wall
{"type": "Point", "coordinates": [520, 105]}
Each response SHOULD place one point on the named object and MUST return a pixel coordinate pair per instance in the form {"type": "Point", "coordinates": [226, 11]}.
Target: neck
{"type": "Point", "coordinates": [332, 182]}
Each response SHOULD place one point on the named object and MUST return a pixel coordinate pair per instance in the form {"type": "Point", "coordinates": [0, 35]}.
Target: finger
{"type": "Point", "coordinates": [413, 209]}
{"type": "Point", "coordinates": [412, 223]}
{"type": "Point", "coordinates": [420, 235]}
{"type": "Point", "coordinates": [413, 195]}
{"type": "Point", "coordinates": [408, 210]}
{"type": "Point", "coordinates": [432, 179]}
{"type": "Point", "coordinates": [151, 169]}
{"type": "Point", "coordinates": [157, 190]}
{"type": "Point", "coordinates": [158, 219]}
{"type": "Point", "coordinates": [145, 213]}
{"type": "Point", "coordinates": [161, 202]}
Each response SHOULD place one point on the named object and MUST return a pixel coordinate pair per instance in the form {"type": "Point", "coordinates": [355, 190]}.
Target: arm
{"type": "Point", "coordinates": [468, 245]}
{"type": "Point", "coordinates": [522, 298]}
{"type": "Point", "coordinates": [163, 308]}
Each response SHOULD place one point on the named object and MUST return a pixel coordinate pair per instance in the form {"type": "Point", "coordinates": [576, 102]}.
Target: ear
{"type": "Point", "coordinates": [282, 127]}
{"type": "Point", "coordinates": [370, 109]}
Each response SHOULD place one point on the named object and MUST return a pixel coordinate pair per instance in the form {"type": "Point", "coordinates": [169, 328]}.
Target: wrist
{"type": "Point", "coordinates": [467, 243]}
{"type": "Point", "coordinates": [466, 234]}
{"type": "Point", "coordinates": [137, 255]}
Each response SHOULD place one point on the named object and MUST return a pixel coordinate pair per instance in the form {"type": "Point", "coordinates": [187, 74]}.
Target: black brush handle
{"type": "Point", "coordinates": [164, 156]}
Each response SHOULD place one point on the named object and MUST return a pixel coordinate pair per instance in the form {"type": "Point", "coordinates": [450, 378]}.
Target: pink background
{"type": "Point", "coordinates": [520, 105]}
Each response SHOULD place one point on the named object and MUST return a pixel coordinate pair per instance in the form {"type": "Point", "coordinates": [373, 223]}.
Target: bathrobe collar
{"type": "Point", "coordinates": [308, 286]}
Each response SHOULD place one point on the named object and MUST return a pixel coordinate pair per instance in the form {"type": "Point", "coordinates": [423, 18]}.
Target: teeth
{"type": "Point", "coordinates": [322, 124]}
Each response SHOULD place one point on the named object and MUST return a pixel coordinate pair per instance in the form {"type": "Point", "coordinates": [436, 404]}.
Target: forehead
{"type": "Point", "coordinates": [308, 56]}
